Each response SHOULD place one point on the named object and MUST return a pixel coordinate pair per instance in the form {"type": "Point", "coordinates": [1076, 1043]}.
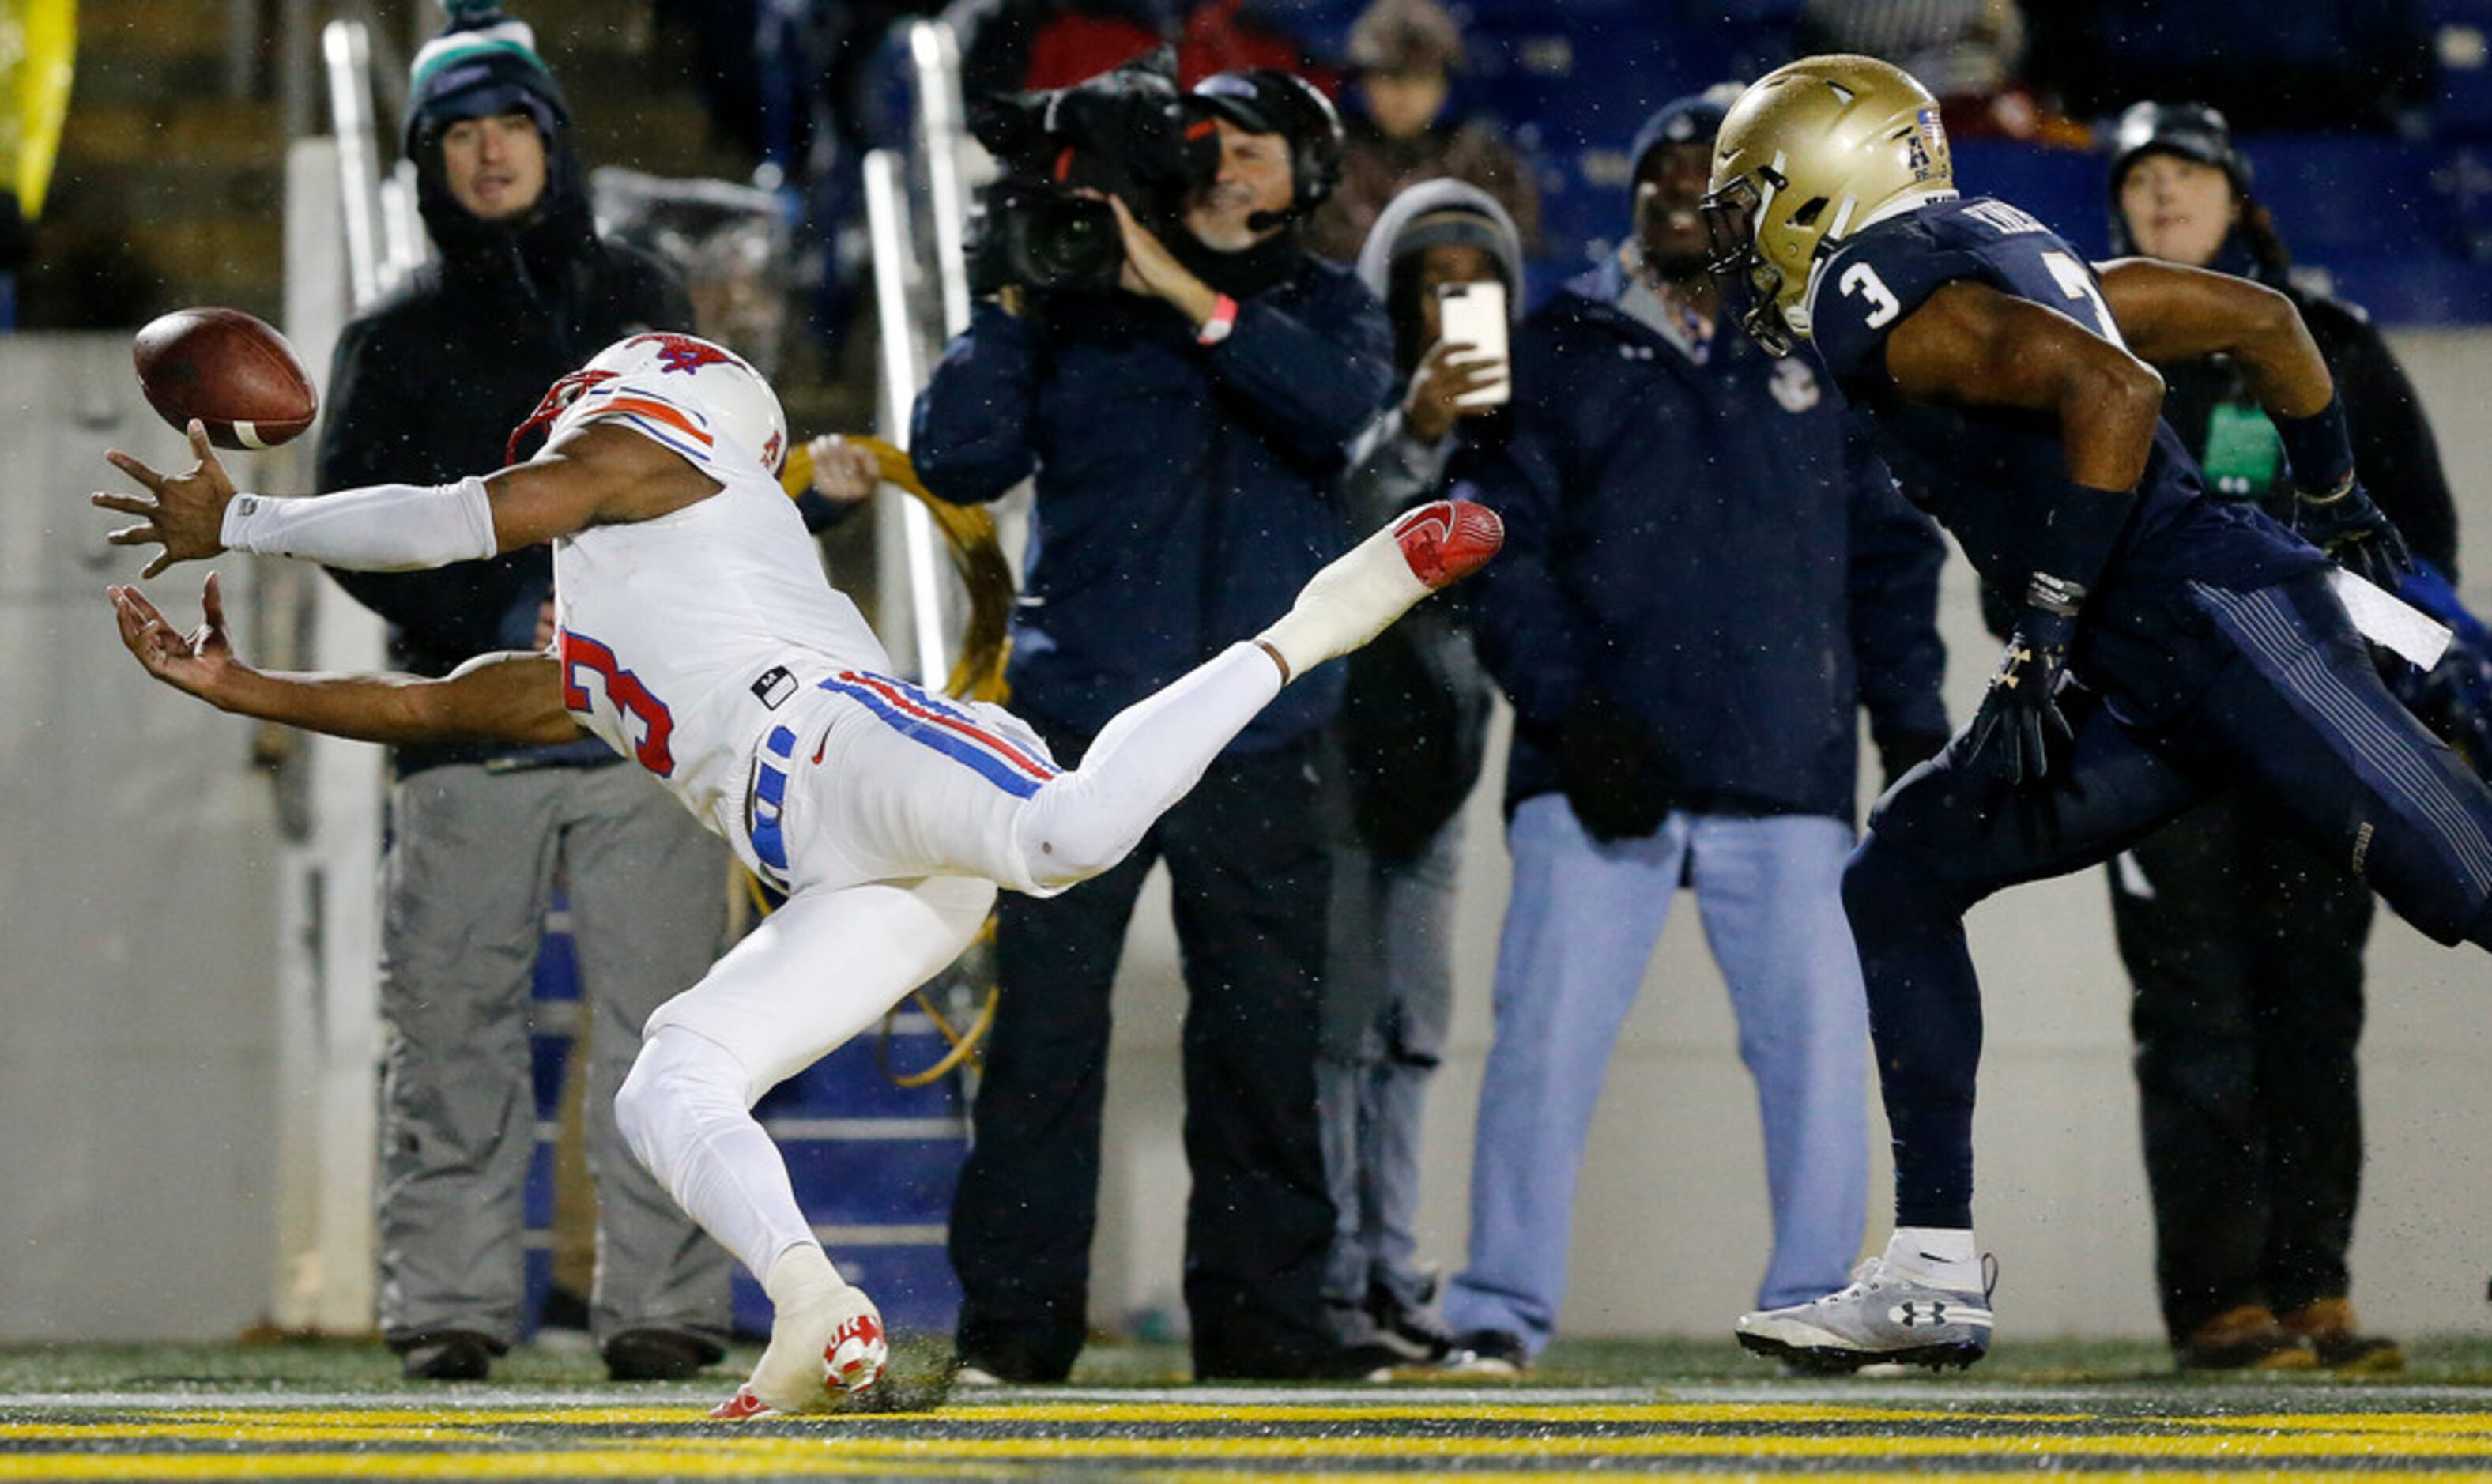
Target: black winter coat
{"type": "Point", "coordinates": [1185, 493]}
{"type": "Point", "coordinates": [1708, 554]}
{"type": "Point", "coordinates": [426, 387]}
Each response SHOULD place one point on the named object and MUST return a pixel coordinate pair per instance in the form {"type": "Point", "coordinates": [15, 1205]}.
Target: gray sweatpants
{"type": "Point", "coordinates": [471, 865]}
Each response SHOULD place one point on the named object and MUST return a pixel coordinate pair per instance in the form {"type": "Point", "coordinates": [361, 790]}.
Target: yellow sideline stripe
{"type": "Point", "coordinates": [2359, 1422]}
{"type": "Point", "coordinates": [1153, 1411]}
{"type": "Point", "coordinates": [732, 1454]}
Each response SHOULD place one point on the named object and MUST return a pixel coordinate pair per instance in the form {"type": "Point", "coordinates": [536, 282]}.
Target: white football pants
{"type": "Point", "coordinates": [896, 830]}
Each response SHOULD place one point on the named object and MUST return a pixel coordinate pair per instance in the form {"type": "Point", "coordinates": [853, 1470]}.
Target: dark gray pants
{"type": "Point", "coordinates": [472, 862]}
{"type": "Point", "coordinates": [2245, 949]}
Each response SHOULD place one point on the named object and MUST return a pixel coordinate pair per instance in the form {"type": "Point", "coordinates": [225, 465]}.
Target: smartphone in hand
{"type": "Point", "coordinates": [1473, 314]}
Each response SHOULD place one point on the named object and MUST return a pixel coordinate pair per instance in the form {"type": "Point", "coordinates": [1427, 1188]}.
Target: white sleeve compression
{"type": "Point", "coordinates": [377, 528]}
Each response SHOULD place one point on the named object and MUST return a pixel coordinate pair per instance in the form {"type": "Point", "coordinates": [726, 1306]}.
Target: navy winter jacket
{"type": "Point", "coordinates": [1710, 551]}
{"type": "Point", "coordinates": [1185, 494]}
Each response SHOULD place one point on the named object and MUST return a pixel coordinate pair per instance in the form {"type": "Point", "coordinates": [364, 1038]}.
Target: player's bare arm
{"type": "Point", "coordinates": [504, 697]}
{"type": "Point", "coordinates": [2176, 314]}
{"type": "Point", "coordinates": [2171, 314]}
{"type": "Point", "coordinates": [597, 474]}
{"type": "Point", "coordinates": [1970, 345]}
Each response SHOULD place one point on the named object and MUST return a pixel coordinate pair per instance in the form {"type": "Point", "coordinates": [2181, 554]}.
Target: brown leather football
{"type": "Point", "coordinates": [229, 370]}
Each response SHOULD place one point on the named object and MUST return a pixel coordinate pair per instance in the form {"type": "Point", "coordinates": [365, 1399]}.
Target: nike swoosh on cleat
{"type": "Point", "coordinates": [743, 1407]}
{"type": "Point", "coordinates": [1449, 540]}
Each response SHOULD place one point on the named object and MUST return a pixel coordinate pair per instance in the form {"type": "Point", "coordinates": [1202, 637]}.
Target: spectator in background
{"type": "Point", "coordinates": [1969, 52]}
{"type": "Point", "coordinates": [2245, 944]}
{"type": "Point", "coordinates": [427, 386]}
{"type": "Point", "coordinates": [1187, 436]}
{"type": "Point", "coordinates": [1705, 578]}
{"type": "Point", "coordinates": [1414, 727]}
{"type": "Point", "coordinates": [1405, 54]}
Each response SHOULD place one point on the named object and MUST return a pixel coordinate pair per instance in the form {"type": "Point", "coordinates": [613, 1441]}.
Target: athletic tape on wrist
{"type": "Point", "coordinates": [377, 528]}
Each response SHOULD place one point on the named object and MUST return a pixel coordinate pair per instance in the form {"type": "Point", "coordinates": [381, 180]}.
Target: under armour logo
{"type": "Point", "coordinates": [1911, 1314]}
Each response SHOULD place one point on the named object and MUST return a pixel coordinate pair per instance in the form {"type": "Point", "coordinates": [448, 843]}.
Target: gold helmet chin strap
{"type": "Point", "coordinates": [978, 674]}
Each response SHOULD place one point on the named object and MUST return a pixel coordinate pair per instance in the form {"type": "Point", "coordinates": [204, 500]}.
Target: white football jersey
{"type": "Point", "coordinates": [682, 636]}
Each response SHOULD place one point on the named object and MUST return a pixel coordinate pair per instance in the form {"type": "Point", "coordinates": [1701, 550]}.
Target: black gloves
{"type": "Point", "coordinates": [2021, 710]}
{"type": "Point", "coordinates": [1615, 773]}
{"type": "Point", "coordinates": [1899, 755]}
{"type": "Point", "coordinates": [2352, 531]}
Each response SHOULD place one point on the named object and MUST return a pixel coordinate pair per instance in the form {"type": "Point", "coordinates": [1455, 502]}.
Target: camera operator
{"type": "Point", "coordinates": [1188, 429]}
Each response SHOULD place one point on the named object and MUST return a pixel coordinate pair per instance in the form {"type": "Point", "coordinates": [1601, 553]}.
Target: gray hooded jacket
{"type": "Point", "coordinates": [1389, 468]}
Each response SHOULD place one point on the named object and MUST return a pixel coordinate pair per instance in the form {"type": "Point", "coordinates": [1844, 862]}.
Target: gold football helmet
{"type": "Point", "coordinates": [1811, 153]}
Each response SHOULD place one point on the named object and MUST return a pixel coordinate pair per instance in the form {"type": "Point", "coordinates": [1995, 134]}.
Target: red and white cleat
{"type": "Point", "coordinates": [1449, 540]}
{"type": "Point", "coordinates": [819, 1351]}
{"type": "Point", "coordinates": [743, 1407]}
{"type": "Point", "coordinates": [1376, 581]}
{"type": "Point", "coordinates": [858, 1352]}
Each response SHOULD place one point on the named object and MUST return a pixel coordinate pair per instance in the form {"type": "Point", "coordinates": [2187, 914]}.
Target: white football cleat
{"type": "Point", "coordinates": [823, 1346]}
{"type": "Point", "coordinates": [1885, 1317]}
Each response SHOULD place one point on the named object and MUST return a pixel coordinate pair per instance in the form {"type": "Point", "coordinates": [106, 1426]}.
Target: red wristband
{"type": "Point", "coordinates": [1224, 318]}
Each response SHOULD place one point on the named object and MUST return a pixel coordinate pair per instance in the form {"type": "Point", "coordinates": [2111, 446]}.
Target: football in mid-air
{"type": "Point", "coordinates": [228, 370]}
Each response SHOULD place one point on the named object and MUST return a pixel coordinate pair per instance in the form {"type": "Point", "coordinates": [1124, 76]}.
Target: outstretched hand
{"type": "Point", "coordinates": [183, 512]}
{"type": "Point", "coordinates": [194, 664]}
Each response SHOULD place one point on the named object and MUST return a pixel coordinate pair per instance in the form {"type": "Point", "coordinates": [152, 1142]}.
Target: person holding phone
{"type": "Point", "coordinates": [1403, 757]}
{"type": "Point", "coordinates": [1705, 578]}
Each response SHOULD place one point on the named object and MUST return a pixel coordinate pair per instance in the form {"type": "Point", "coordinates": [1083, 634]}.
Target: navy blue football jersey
{"type": "Point", "coordinates": [1967, 466]}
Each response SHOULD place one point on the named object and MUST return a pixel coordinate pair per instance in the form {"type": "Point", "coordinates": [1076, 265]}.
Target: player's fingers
{"type": "Point", "coordinates": [125, 616]}
{"type": "Point", "coordinates": [132, 600]}
{"type": "Point", "coordinates": [163, 559]}
{"type": "Point", "coordinates": [2037, 753]}
{"type": "Point", "coordinates": [1985, 722]}
{"type": "Point", "coordinates": [212, 603]}
{"type": "Point", "coordinates": [135, 469]}
{"type": "Point", "coordinates": [126, 504]}
{"type": "Point", "coordinates": [142, 628]}
{"type": "Point", "coordinates": [200, 448]}
{"type": "Point", "coordinates": [133, 536]}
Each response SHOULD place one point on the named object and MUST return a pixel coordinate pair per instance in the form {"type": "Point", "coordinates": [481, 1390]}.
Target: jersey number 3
{"type": "Point", "coordinates": [642, 712]}
{"type": "Point", "coordinates": [2077, 283]}
{"type": "Point", "coordinates": [1861, 281]}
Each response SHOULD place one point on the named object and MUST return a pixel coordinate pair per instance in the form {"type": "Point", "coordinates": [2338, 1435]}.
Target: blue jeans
{"type": "Point", "coordinates": [1388, 994]}
{"type": "Point", "coordinates": [1580, 925]}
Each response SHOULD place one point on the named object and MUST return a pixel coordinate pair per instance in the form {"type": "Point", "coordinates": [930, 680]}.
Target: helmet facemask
{"type": "Point", "coordinates": [1750, 286]}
